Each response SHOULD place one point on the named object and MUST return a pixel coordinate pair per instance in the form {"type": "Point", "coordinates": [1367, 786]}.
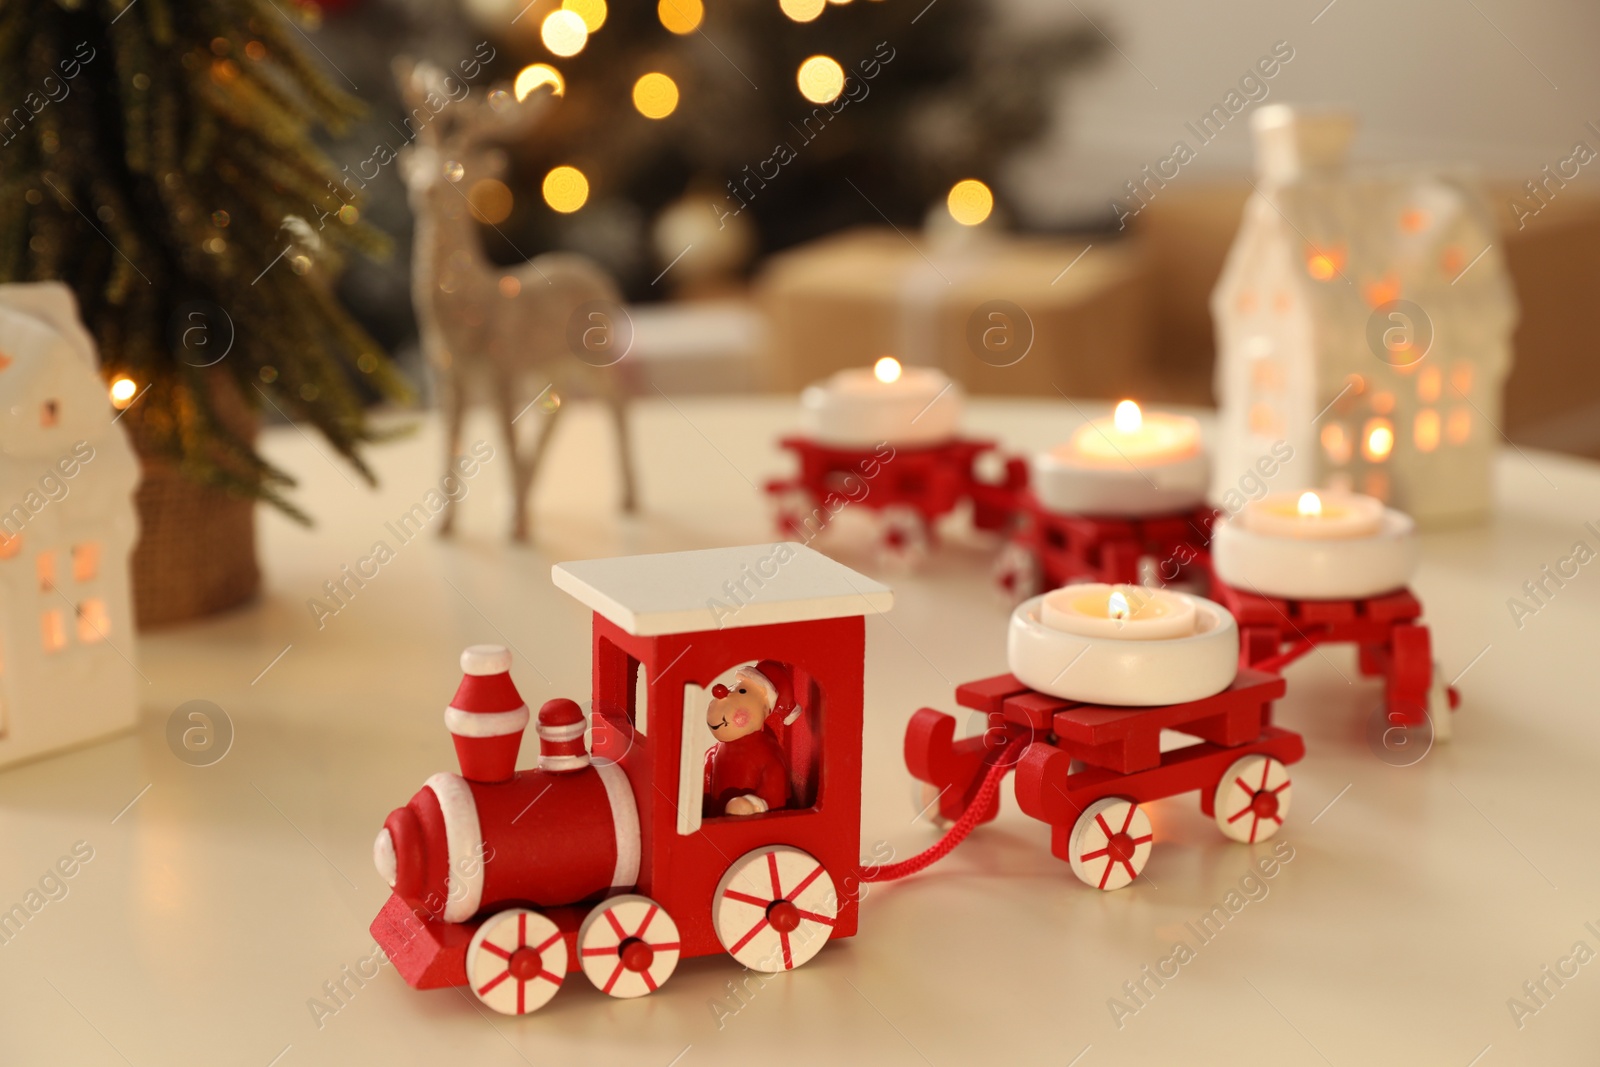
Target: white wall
{"type": "Point", "coordinates": [1432, 80]}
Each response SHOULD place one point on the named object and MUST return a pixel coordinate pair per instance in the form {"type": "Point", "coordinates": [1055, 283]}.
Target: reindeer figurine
{"type": "Point", "coordinates": [488, 327]}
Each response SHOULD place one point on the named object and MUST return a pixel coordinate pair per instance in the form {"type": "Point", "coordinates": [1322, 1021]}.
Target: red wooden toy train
{"type": "Point", "coordinates": [612, 857]}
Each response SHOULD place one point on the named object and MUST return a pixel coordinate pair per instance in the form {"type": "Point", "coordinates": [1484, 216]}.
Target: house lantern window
{"type": "Point", "coordinates": [1336, 443]}
{"type": "Point", "coordinates": [1377, 440]}
{"type": "Point", "coordinates": [1425, 431]}
{"type": "Point", "coordinates": [1459, 427]}
{"type": "Point", "coordinates": [85, 561]}
{"type": "Point", "coordinates": [53, 631]}
{"type": "Point", "coordinates": [1430, 384]}
{"type": "Point", "coordinates": [94, 621]}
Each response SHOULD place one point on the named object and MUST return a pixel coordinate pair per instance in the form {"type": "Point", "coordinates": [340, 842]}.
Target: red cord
{"type": "Point", "coordinates": [1276, 664]}
{"type": "Point", "coordinates": [952, 837]}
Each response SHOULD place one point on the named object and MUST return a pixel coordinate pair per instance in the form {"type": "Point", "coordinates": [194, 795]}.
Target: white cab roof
{"type": "Point", "coordinates": [721, 588]}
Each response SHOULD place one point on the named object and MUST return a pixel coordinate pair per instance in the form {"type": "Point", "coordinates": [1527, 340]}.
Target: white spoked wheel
{"type": "Point", "coordinates": [1252, 800]}
{"type": "Point", "coordinates": [792, 509]}
{"type": "Point", "coordinates": [925, 797]}
{"type": "Point", "coordinates": [904, 536]}
{"type": "Point", "coordinates": [516, 961]}
{"type": "Point", "coordinates": [1110, 843]}
{"type": "Point", "coordinates": [1017, 574]}
{"type": "Point", "coordinates": [774, 908]}
{"type": "Point", "coordinates": [1439, 704]}
{"type": "Point", "coordinates": [628, 946]}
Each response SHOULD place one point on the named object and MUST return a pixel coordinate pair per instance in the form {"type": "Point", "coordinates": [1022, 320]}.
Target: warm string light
{"type": "Point", "coordinates": [1127, 418]}
{"type": "Point", "coordinates": [821, 79]}
{"type": "Point", "coordinates": [680, 16]}
{"type": "Point", "coordinates": [592, 12]}
{"type": "Point", "coordinates": [565, 189]}
{"type": "Point", "coordinates": [887, 370]}
{"type": "Point", "coordinates": [123, 391]}
{"type": "Point", "coordinates": [802, 10]}
{"type": "Point", "coordinates": [655, 95]}
{"type": "Point", "coordinates": [969, 202]}
{"type": "Point", "coordinates": [564, 33]}
{"type": "Point", "coordinates": [535, 75]}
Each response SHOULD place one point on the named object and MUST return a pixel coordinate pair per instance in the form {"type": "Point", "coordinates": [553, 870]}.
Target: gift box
{"type": "Point", "coordinates": [999, 314]}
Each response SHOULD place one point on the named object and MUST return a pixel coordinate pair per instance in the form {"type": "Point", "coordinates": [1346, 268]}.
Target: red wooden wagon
{"type": "Point", "coordinates": [1085, 769]}
{"type": "Point", "coordinates": [908, 489]}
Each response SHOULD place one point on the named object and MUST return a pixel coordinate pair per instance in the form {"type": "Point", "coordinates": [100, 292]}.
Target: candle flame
{"type": "Point", "coordinates": [1128, 418]}
{"type": "Point", "coordinates": [1309, 506]}
{"type": "Point", "coordinates": [887, 369]}
{"type": "Point", "coordinates": [122, 391]}
{"type": "Point", "coordinates": [1117, 605]}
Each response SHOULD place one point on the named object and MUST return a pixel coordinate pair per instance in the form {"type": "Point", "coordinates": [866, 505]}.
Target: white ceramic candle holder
{"type": "Point", "coordinates": [854, 409]}
{"type": "Point", "coordinates": [1121, 672]}
{"type": "Point", "coordinates": [1308, 568]}
{"type": "Point", "coordinates": [1064, 484]}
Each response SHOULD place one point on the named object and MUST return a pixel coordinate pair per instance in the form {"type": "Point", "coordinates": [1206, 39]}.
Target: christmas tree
{"type": "Point", "coordinates": [788, 119]}
{"type": "Point", "coordinates": [156, 158]}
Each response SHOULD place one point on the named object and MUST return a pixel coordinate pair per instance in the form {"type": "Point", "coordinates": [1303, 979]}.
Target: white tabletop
{"type": "Point", "coordinates": [216, 906]}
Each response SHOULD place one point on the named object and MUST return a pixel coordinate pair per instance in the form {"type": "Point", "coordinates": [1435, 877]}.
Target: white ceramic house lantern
{"type": "Point", "coordinates": [67, 526]}
{"type": "Point", "coordinates": [1364, 317]}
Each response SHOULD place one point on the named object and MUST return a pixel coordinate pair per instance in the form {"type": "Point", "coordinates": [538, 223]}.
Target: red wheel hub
{"type": "Point", "coordinates": [636, 955]}
{"type": "Point", "coordinates": [525, 963]}
{"type": "Point", "coordinates": [783, 916]}
{"type": "Point", "coordinates": [1121, 847]}
{"type": "Point", "coordinates": [1265, 804]}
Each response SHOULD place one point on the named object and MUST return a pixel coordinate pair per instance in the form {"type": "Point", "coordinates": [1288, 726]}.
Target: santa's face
{"type": "Point", "coordinates": [741, 712]}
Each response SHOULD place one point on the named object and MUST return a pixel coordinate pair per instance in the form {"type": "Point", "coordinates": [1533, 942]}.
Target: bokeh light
{"type": "Point", "coordinates": [564, 33]}
{"type": "Point", "coordinates": [802, 10]}
{"type": "Point", "coordinates": [655, 95]}
{"type": "Point", "coordinates": [565, 189]}
{"type": "Point", "coordinates": [821, 79]}
{"type": "Point", "coordinates": [491, 200]}
{"type": "Point", "coordinates": [681, 16]}
{"type": "Point", "coordinates": [970, 202]}
{"type": "Point", "coordinates": [535, 75]}
{"type": "Point", "coordinates": [592, 12]}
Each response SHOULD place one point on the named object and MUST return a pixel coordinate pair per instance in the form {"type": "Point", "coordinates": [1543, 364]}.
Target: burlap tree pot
{"type": "Point", "coordinates": [196, 553]}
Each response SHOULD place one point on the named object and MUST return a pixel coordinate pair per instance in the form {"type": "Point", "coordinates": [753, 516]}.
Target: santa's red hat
{"type": "Point", "coordinates": [487, 716]}
{"type": "Point", "coordinates": [777, 679]}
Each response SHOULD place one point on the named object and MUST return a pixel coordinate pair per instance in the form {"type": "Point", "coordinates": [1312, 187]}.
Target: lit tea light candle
{"type": "Point", "coordinates": [1130, 612]}
{"type": "Point", "coordinates": [1124, 646]}
{"type": "Point", "coordinates": [902, 405]}
{"type": "Point", "coordinates": [1132, 464]}
{"type": "Point", "coordinates": [1316, 545]}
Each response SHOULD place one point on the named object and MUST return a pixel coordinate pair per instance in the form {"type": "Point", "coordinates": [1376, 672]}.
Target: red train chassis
{"type": "Point", "coordinates": [1085, 769]}
{"type": "Point", "coordinates": [908, 489]}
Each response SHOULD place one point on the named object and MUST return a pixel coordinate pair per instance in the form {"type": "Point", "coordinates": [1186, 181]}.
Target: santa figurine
{"type": "Point", "coordinates": [746, 771]}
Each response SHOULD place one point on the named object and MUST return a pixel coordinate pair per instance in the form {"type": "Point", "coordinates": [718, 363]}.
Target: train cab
{"type": "Point", "coordinates": [670, 633]}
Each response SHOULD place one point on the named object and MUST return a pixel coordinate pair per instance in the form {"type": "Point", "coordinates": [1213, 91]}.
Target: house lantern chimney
{"type": "Point", "coordinates": [1294, 142]}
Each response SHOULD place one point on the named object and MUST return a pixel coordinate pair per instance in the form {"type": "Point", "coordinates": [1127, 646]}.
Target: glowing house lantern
{"type": "Point", "coordinates": [67, 528]}
{"type": "Point", "coordinates": [1381, 355]}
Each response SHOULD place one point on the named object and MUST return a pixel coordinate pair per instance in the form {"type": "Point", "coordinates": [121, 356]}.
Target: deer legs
{"type": "Point", "coordinates": [454, 402]}
{"type": "Point", "coordinates": [618, 402]}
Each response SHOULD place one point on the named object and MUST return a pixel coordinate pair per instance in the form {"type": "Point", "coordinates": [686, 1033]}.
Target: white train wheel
{"type": "Point", "coordinates": [1017, 574]}
{"type": "Point", "coordinates": [1439, 704]}
{"type": "Point", "coordinates": [904, 538]}
{"type": "Point", "coordinates": [628, 946]}
{"type": "Point", "coordinates": [516, 961]}
{"type": "Point", "coordinates": [774, 908]}
{"type": "Point", "coordinates": [798, 515]}
{"type": "Point", "coordinates": [1110, 843]}
{"type": "Point", "coordinates": [1252, 800]}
